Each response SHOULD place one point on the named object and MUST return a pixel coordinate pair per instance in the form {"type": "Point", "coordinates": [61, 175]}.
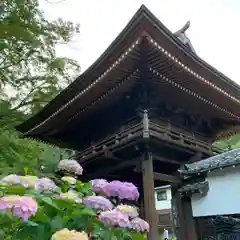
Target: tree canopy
{"type": "Point", "coordinates": [31, 74]}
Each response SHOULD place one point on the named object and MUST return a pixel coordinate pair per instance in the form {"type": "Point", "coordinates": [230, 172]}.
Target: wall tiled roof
{"type": "Point", "coordinates": [222, 160]}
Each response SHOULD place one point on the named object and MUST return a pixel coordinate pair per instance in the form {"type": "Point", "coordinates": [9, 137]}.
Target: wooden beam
{"type": "Point", "coordinates": [106, 170]}
{"type": "Point", "coordinates": [164, 159]}
{"type": "Point", "coordinates": [166, 178]}
{"type": "Point", "coordinates": [110, 155]}
{"type": "Point", "coordinates": [149, 196]}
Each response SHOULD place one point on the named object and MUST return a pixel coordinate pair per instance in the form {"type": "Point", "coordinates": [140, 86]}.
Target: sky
{"type": "Point", "coordinates": [213, 32]}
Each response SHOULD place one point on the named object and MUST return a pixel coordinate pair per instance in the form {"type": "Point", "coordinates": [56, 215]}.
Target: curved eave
{"type": "Point", "coordinates": [160, 27]}
{"type": "Point", "coordinates": [142, 22]}
{"type": "Point", "coordinates": [223, 160]}
{"type": "Point", "coordinates": [111, 54]}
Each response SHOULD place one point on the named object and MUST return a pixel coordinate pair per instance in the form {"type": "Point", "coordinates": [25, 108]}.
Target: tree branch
{"type": "Point", "coordinates": [24, 102]}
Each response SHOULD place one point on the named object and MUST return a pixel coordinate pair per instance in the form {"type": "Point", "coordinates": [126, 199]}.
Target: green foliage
{"type": "Point", "coordinates": [31, 73]}
{"type": "Point", "coordinates": [30, 76]}
{"type": "Point", "coordinates": [56, 213]}
{"type": "Point", "coordinates": [231, 143]}
{"type": "Point", "coordinates": [15, 152]}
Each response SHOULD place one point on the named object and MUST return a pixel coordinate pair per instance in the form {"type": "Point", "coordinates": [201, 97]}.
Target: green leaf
{"type": "Point", "coordinates": [49, 202]}
{"type": "Point", "coordinates": [31, 223]}
{"type": "Point", "coordinates": [64, 203]}
{"type": "Point", "coordinates": [136, 236]}
{"type": "Point", "coordinates": [16, 189]}
{"type": "Point", "coordinates": [57, 223]}
{"type": "Point", "coordinates": [84, 211]}
{"type": "Point", "coordinates": [41, 216]}
{"type": "Point", "coordinates": [65, 187]}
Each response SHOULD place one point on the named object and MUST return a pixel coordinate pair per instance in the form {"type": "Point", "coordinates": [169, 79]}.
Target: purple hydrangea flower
{"type": "Point", "coordinates": [114, 218]}
{"type": "Point", "coordinates": [27, 181]}
{"type": "Point", "coordinates": [130, 211]}
{"type": "Point", "coordinates": [139, 225]}
{"type": "Point", "coordinates": [11, 179]}
{"type": "Point", "coordinates": [46, 185]}
{"type": "Point", "coordinates": [122, 190]}
{"type": "Point", "coordinates": [98, 184]}
{"type": "Point", "coordinates": [98, 202]}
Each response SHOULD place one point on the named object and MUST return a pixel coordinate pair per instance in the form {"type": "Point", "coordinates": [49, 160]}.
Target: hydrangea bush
{"type": "Point", "coordinates": [36, 208]}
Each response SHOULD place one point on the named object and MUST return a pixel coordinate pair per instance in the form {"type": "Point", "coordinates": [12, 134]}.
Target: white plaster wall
{"type": "Point", "coordinates": [223, 196]}
{"type": "Point", "coordinates": [166, 204]}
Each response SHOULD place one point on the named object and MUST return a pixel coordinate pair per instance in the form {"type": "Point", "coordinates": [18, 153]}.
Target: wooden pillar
{"type": "Point", "coordinates": [177, 214]}
{"type": "Point", "coordinates": [182, 216]}
{"type": "Point", "coordinates": [189, 220]}
{"type": "Point", "coordinates": [141, 202]}
{"type": "Point", "coordinates": [141, 211]}
{"type": "Point", "coordinates": [149, 196]}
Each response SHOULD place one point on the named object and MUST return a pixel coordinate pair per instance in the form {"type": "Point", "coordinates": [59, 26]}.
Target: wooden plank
{"type": "Point", "coordinates": [149, 196]}
{"type": "Point", "coordinates": [166, 178]}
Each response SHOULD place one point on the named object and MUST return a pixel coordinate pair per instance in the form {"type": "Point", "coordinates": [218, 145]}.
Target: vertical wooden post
{"type": "Point", "coordinates": [142, 214]}
{"type": "Point", "coordinates": [149, 196]}
{"type": "Point", "coordinates": [177, 214]}
{"type": "Point", "coordinates": [183, 220]}
{"type": "Point", "coordinates": [189, 220]}
{"type": "Point", "coordinates": [141, 203]}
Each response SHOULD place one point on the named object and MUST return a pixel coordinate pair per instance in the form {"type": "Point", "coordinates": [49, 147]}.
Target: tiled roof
{"type": "Point", "coordinates": [199, 187]}
{"type": "Point", "coordinates": [225, 219]}
{"type": "Point", "coordinates": [218, 161]}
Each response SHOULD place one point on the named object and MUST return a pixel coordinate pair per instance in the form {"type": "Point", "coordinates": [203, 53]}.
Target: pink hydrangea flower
{"type": "Point", "coordinates": [22, 206]}
{"type": "Point", "coordinates": [114, 218]}
{"type": "Point", "coordinates": [139, 225]}
{"type": "Point", "coordinates": [3, 206]}
{"type": "Point", "coordinates": [25, 208]}
{"type": "Point", "coordinates": [10, 200]}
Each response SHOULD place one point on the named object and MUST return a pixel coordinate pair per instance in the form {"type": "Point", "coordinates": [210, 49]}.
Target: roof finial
{"type": "Point", "coordinates": [183, 29]}
{"type": "Point", "coordinates": [181, 35]}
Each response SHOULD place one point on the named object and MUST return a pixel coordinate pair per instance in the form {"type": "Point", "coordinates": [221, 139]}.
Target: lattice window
{"type": "Point", "coordinates": [161, 195]}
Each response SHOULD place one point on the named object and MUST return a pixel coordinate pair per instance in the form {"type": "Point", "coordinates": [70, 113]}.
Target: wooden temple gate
{"type": "Point", "coordinates": [146, 107]}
